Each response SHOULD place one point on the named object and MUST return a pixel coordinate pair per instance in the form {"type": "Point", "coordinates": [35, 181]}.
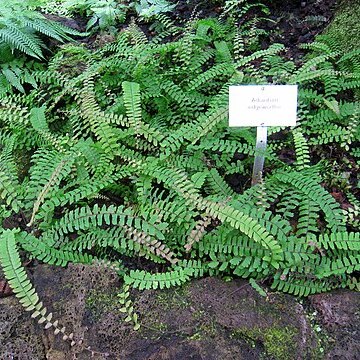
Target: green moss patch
{"type": "Point", "coordinates": [278, 342]}
{"type": "Point", "coordinates": [345, 27]}
{"type": "Point", "coordinates": [99, 303]}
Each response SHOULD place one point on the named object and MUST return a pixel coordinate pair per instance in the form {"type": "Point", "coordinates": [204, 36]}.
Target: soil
{"type": "Point", "coordinates": [291, 22]}
{"type": "Point", "coordinates": [298, 22]}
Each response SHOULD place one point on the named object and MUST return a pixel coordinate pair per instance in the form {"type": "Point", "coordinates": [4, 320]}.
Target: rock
{"type": "Point", "coordinates": [205, 319]}
{"type": "Point", "coordinates": [20, 336]}
{"type": "Point", "coordinates": [338, 313]}
{"type": "Point", "coordinates": [71, 23]}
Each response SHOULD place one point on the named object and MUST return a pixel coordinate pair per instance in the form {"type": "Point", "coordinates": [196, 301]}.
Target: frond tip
{"type": "Point", "coordinates": [20, 284]}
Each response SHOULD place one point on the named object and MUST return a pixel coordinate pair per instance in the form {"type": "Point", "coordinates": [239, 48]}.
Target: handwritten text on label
{"type": "Point", "coordinates": [262, 105]}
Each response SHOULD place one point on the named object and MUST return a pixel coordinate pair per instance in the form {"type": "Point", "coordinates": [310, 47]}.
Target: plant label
{"type": "Point", "coordinates": [262, 105]}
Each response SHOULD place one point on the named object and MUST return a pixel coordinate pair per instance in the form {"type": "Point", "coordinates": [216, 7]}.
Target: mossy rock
{"type": "Point", "coordinates": [345, 27]}
{"type": "Point", "coordinates": [278, 342]}
{"type": "Point", "coordinates": [205, 319]}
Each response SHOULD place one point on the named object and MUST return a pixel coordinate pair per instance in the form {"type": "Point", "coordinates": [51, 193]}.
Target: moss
{"type": "Point", "coordinates": [154, 330]}
{"type": "Point", "coordinates": [345, 27]}
{"type": "Point", "coordinates": [207, 327]}
{"type": "Point", "coordinates": [196, 336]}
{"type": "Point", "coordinates": [154, 319]}
{"type": "Point", "coordinates": [278, 342]}
{"type": "Point", "coordinates": [173, 298]}
{"type": "Point", "coordinates": [99, 303]}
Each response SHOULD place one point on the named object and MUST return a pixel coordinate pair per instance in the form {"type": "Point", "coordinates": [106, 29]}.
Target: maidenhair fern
{"type": "Point", "coordinates": [22, 287]}
{"type": "Point", "coordinates": [133, 156]}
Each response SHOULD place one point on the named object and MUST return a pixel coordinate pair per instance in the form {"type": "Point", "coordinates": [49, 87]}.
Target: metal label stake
{"type": "Point", "coordinates": [261, 141]}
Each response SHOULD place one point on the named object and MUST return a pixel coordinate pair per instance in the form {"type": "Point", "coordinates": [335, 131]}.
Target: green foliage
{"type": "Point", "coordinates": [106, 14]}
{"type": "Point", "coordinates": [302, 150]}
{"type": "Point", "coordinates": [21, 285]}
{"type": "Point", "coordinates": [239, 8]}
{"type": "Point", "coordinates": [149, 8]}
{"type": "Point", "coordinates": [19, 25]}
{"type": "Point", "coordinates": [128, 307]}
{"type": "Point", "coordinates": [103, 14]}
{"type": "Point", "coordinates": [16, 73]}
{"type": "Point", "coordinates": [130, 155]}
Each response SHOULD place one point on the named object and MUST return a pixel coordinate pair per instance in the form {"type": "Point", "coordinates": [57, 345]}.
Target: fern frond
{"type": "Point", "coordinates": [218, 184]}
{"type": "Point", "coordinates": [91, 112]}
{"type": "Point", "coordinates": [219, 70]}
{"type": "Point", "coordinates": [61, 170]}
{"type": "Point", "coordinates": [13, 79]}
{"type": "Point", "coordinates": [197, 233]}
{"type": "Point", "coordinates": [237, 219]}
{"type": "Point", "coordinates": [21, 40]}
{"type": "Point", "coordinates": [43, 252]}
{"type": "Point", "coordinates": [132, 103]}
{"type": "Point", "coordinates": [39, 123]}
{"type": "Point", "coordinates": [308, 215]}
{"type": "Point", "coordinates": [338, 265]}
{"type": "Point", "coordinates": [272, 50]}
{"type": "Point", "coordinates": [302, 150]}
{"type": "Point", "coordinates": [15, 273]}
{"type": "Point", "coordinates": [49, 168]}
{"type": "Point", "coordinates": [340, 240]}
{"type": "Point", "coordinates": [317, 194]}
{"type": "Point", "coordinates": [9, 184]}
{"type": "Point", "coordinates": [20, 284]}
{"type": "Point", "coordinates": [45, 27]}
{"type": "Point", "coordinates": [143, 280]}
{"type": "Point", "coordinates": [301, 286]}
{"type": "Point", "coordinates": [84, 218]}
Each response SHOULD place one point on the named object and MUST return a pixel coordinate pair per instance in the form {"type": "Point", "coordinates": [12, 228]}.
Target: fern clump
{"type": "Point", "coordinates": [130, 157]}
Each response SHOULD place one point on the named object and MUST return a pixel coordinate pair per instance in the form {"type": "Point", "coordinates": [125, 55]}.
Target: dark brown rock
{"type": "Point", "coordinates": [206, 319]}
{"type": "Point", "coordinates": [71, 23]}
{"type": "Point", "coordinates": [338, 313]}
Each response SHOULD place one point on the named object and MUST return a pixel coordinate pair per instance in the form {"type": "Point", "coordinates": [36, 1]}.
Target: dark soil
{"type": "Point", "coordinates": [291, 22]}
{"type": "Point", "coordinates": [298, 22]}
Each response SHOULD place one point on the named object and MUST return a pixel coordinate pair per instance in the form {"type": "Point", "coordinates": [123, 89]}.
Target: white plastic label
{"type": "Point", "coordinates": [262, 105]}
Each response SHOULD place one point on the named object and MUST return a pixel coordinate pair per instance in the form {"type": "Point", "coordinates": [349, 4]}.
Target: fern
{"type": "Point", "coordinates": [128, 154]}
{"type": "Point", "coordinates": [302, 151]}
{"type": "Point", "coordinates": [317, 194]}
{"type": "Point", "coordinates": [22, 287]}
{"type": "Point", "coordinates": [8, 177]}
{"type": "Point", "coordinates": [132, 103]}
{"type": "Point", "coordinates": [128, 307]}
{"type": "Point", "coordinates": [19, 24]}
{"type": "Point", "coordinates": [302, 286]}
{"type": "Point", "coordinates": [143, 280]}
